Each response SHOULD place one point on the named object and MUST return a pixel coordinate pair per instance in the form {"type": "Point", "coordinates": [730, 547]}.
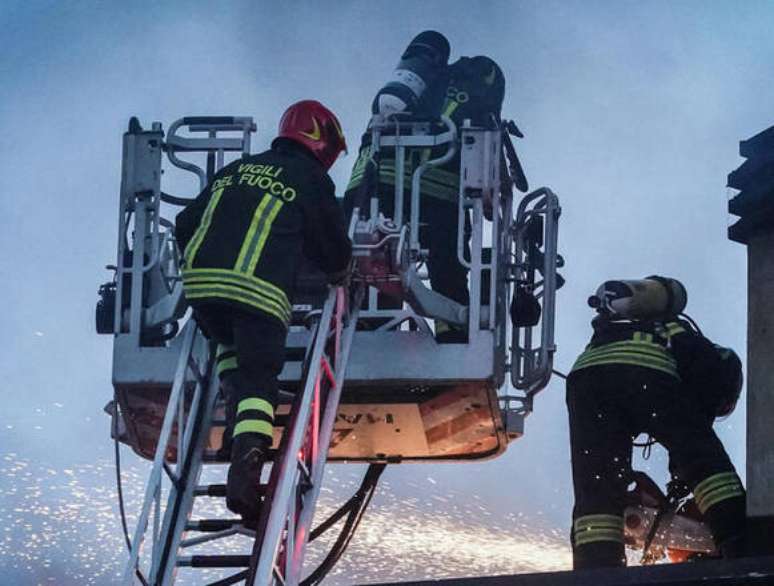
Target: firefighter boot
{"type": "Point", "coordinates": [243, 494]}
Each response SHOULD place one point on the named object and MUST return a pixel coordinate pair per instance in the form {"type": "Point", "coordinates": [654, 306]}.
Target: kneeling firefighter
{"type": "Point", "coordinates": [427, 87]}
{"type": "Point", "coordinates": [646, 370]}
{"type": "Point", "coordinates": [244, 237]}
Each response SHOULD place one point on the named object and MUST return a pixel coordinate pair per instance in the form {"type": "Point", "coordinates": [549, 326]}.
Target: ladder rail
{"type": "Point", "coordinates": [345, 339]}
{"type": "Point", "coordinates": [182, 492]}
{"type": "Point", "coordinates": [276, 507]}
{"type": "Point", "coordinates": [155, 477]}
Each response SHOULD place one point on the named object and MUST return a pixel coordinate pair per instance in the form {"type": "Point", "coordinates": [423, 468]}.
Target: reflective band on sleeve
{"type": "Point", "coordinates": [594, 535]}
{"type": "Point", "coordinates": [594, 528]}
{"type": "Point", "coordinates": [717, 488]}
{"type": "Point", "coordinates": [720, 495]}
{"type": "Point", "coordinates": [204, 226]}
{"type": "Point", "coordinates": [254, 426]}
{"type": "Point", "coordinates": [600, 520]}
{"type": "Point", "coordinates": [256, 404]}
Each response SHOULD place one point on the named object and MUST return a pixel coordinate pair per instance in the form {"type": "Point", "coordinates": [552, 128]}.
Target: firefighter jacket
{"type": "Point", "coordinates": [474, 96]}
{"type": "Point", "coordinates": [244, 235]}
{"type": "Point", "coordinates": [636, 343]}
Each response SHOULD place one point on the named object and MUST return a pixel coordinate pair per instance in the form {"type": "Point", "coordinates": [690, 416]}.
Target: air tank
{"type": "Point", "coordinates": [423, 62]}
{"type": "Point", "coordinates": [644, 299]}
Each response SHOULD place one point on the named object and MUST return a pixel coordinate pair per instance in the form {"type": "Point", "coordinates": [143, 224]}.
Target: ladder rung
{"type": "Point", "coordinates": [214, 561]}
{"type": "Point", "coordinates": [218, 490]}
{"type": "Point", "coordinates": [211, 525]}
{"type": "Point", "coordinates": [213, 457]}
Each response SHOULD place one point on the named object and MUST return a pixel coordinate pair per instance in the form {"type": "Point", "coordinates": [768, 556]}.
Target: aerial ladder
{"type": "Point", "coordinates": [361, 383]}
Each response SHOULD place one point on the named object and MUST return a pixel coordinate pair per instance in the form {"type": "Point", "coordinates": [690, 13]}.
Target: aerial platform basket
{"type": "Point", "coordinates": [405, 396]}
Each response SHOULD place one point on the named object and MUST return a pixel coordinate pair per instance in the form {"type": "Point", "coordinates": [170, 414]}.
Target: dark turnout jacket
{"type": "Point", "coordinates": [243, 237]}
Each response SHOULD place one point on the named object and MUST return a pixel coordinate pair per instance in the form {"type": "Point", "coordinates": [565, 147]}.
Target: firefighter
{"type": "Point", "coordinates": [244, 237]}
{"type": "Point", "coordinates": [471, 88]}
{"type": "Point", "coordinates": [628, 381]}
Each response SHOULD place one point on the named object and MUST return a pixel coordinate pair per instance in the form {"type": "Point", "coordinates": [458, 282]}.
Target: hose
{"type": "Point", "coordinates": [355, 508]}
{"type": "Point", "coordinates": [120, 488]}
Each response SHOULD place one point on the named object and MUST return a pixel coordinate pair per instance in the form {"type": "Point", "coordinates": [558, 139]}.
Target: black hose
{"type": "Point", "coordinates": [120, 488]}
{"type": "Point", "coordinates": [355, 507]}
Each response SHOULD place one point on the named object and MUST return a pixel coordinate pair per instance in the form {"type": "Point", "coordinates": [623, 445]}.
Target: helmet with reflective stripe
{"type": "Point", "coordinates": [311, 124]}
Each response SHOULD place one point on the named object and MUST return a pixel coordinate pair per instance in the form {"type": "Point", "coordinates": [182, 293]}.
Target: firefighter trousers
{"type": "Point", "coordinates": [609, 405]}
{"type": "Point", "coordinates": [250, 357]}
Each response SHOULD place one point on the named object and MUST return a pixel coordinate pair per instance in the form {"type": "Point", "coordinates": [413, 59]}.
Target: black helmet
{"type": "Point", "coordinates": [482, 78]}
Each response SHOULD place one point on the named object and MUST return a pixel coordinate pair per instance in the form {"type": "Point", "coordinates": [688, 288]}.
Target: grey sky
{"type": "Point", "coordinates": [632, 112]}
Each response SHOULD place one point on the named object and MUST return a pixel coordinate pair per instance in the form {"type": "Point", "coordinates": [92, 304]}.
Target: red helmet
{"type": "Point", "coordinates": [311, 124]}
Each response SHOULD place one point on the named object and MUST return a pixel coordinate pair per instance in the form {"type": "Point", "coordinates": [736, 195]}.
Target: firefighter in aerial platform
{"type": "Point", "coordinates": [632, 378]}
{"type": "Point", "coordinates": [244, 237]}
{"type": "Point", "coordinates": [426, 86]}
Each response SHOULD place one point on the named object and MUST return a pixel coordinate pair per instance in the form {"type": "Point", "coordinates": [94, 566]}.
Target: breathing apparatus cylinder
{"type": "Point", "coordinates": [422, 63]}
{"type": "Point", "coordinates": [651, 298]}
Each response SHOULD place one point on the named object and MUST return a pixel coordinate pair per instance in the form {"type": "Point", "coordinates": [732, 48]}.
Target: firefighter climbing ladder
{"type": "Point", "coordinates": [295, 477]}
{"type": "Point", "coordinates": [168, 405]}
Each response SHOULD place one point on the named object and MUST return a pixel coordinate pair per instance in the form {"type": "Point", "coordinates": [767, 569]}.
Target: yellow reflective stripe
{"type": "Point", "coordinates": [254, 426]}
{"type": "Point", "coordinates": [249, 241]}
{"type": "Point", "coordinates": [223, 348]}
{"type": "Point", "coordinates": [630, 361]}
{"type": "Point", "coordinates": [204, 226]}
{"type": "Point", "coordinates": [264, 234]}
{"type": "Point", "coordinates": [674, 328]}
{"type": "Point", "coordinates": [442, 176]}
{"type": "Point", "coordinates": [714, 481]}
{"type": "Point", "coordinates": [194, 289]}
{"type": "Point", "coordinates": [233, 293]}
{"type": "Point", "coordinates": [643, 337]}
{"type": "Point", "coordinates": [228, 276]}
{"type": "Point", "coordinates": [451, 106]}
{"type": "Point", "coordinates": [595, 535]}
{"type": "Point", "coordinates": [722, 494]}
{"type": "Point", "coordinates": [600, 520]}
{"type": "Point", "coordinates": [601, 527]}
{"type": "Point", "coordinates": [663, 360]}
{"type": "Point", "coordinates": [717, 488]}
{"type": "Point", "coordinates": [644, 346]}
{"type": "Point", "coordinates": [256, 404]}
{"type": "Point", "coordinates": [227, 364]}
